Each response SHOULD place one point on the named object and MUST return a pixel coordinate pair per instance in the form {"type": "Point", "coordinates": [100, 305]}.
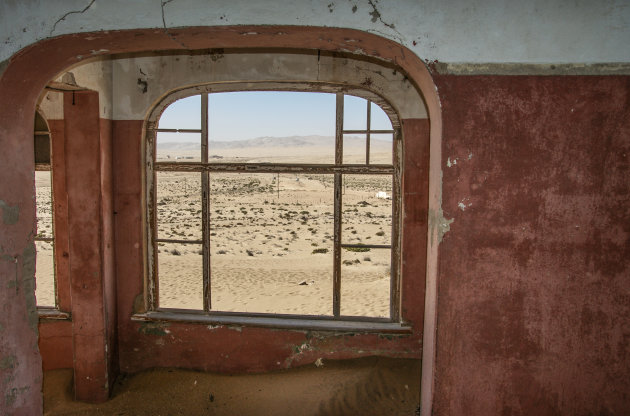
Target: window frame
{"type": "Point", "coordinates": [336, 321]}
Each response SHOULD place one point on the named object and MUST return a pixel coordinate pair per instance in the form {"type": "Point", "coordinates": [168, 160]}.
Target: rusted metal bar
{"type": "Point", "coordinates": [379, 169]}
{"type": "Point", "coordinates": [45, 239]}
{"type": "Point", "coordinates": [366, 246]}
{"type": "Point", "coordinates": [205, 204]}
{"type": "Point", "coordinates": [396, 258]}
{"type": "Point", "coordinates": [367, 131]}
{"type": "Point", "coordinates": [179, 130]}
{"type": "Point", "coordinates": [42, 167]}
{"type": "Point", "coordinates": [175, 241]}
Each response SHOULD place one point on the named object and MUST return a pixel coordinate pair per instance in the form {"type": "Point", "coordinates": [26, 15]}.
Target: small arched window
{"type": "Point", "coordinates": [274, 202]}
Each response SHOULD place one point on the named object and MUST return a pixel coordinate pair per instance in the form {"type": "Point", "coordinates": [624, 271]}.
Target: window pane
{"type": "Point", "coordinates": [45, 274]}
{"type": "Point", "coordinates": [43, 199]}
{"type": "Point", "coordinates": [272, 243]}
{"type": "Point", "coordinates": [365, 282]}
{"type": "Point", "coordinates": [367, 209]}
{"type": "Point", "coordinates": [354, 148]}
{"type": "Point", "coordinates": [179, 205]}
{"type": "Point", "coordinates": [180, 271]}
{"type": "Point", "coordinates": [381, 147]}
{"type": "Point", "coordinates": [379, 120]}
{"type": "Point", "coordinates": [354, 113]}
{"type": "Point", "coordinates": [178, 147]}
{"type": "Point", "coordinates": [182, 114]}
{"type": "Point", "coordinates": [271, 126]}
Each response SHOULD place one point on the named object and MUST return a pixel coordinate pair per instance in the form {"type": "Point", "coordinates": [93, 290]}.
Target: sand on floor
{"type": "Point", "coordinates": [368, 386]}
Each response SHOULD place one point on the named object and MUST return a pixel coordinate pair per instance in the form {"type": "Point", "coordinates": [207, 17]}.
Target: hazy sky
{"type": "Point", "coordinates": [250, 114]}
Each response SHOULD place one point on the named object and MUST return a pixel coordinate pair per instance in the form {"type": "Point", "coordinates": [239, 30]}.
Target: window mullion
{"type": "Point", "coordinates": [205, 205]}
{"type": "Point", "coordinates": [367, 135]}
{"type": "Point", "coordinates": [396, 258]}
{"type": "Point", "coordinates": [337, 207]}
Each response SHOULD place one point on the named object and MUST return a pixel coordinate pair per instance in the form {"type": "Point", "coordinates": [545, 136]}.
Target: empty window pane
{"type": "Point", "coordinates": [354, 147]}
{"type": "Point", "coordinates": [271, 127]}
{"type": "Point", "coordinates": [379, 120]}
{"type": "Point", "coordinates": [272, 243]}
{"type": "Point", "coordinates": [365, 282]}
{"type": "Point", "coordinates": [367, 209]}
{"type": "Point", "coordinates": [181, 276]}
{"type": "Point", "coordinates": [43, 197]}
{"type": "Point", "coordinates": [182, 114]}
{"type": "Point", "coordinates": [179, 205]}
{"type": "Point", "coordinates": [178, 147]}
{"type": "Point", "coordinates": [381, 148]}
{"type": "Point", "coordinates": [354, 113]}
{"type": "Point", "coordinates": [45, 274]}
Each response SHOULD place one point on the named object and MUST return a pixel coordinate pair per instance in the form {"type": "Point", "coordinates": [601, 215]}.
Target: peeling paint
{"type": "Point", "coordinates": [450, 163]}
{"type": "Point", "coordinates": [11, 396]}
{"type": "Point", "coordinates": [154, 328]}
{"type": "Point", "coordinates": [437, 219]}
{"type": "Point", "coordinates": [10, 361]}
{"type": "Point", "coordinates": [27, 277]}
{"type": "Point", "coordinates": [10, 214]}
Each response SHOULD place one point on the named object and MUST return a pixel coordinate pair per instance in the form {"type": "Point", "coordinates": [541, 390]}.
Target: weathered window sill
{"type": "Point", "coordinates": [291, 322]}
{"type": "Point", "coordinates": [52, 314]}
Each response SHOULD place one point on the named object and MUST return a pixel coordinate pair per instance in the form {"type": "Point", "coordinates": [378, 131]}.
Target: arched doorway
{"type": "Point", "coordinates": [18, 104]}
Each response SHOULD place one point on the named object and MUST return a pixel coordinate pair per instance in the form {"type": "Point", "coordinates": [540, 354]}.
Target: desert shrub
{"type": "Point", "coordinates": [380, 233]}
{"type": "Point", "coordinates": [176, 252]}
{"type": "Point", "coordinates": [320, 251]}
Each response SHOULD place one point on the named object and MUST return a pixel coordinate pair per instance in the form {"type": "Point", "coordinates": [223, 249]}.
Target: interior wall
{"type": "Point", "coordinates": [534, 293]}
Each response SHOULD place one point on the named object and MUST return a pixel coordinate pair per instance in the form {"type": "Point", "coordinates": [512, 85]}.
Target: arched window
{"type": "Point", "coordinates": [275, 202]}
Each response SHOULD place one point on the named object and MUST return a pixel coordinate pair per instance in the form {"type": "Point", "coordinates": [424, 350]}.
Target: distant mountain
{"type": "Point", "coordinates": [290, 141]}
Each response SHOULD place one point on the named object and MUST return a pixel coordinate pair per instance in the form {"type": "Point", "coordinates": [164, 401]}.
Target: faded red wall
{"type": "Point", "coordinates": [534, 276]}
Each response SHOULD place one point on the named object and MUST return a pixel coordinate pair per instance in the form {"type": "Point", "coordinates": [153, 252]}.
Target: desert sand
{"type": "Point", "coordinates": [368, 386]}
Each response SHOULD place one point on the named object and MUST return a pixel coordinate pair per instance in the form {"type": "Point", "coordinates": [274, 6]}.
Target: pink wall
{"type": "Point", "coordinates": [534, 287]}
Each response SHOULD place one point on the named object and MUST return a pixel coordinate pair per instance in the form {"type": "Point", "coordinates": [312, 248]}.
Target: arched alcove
{"type": "Point", "coordinates": [17, 167]}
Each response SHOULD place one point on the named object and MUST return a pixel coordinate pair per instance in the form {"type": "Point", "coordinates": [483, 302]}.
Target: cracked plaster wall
{"type": "Point", "coordinates": [456, 31]}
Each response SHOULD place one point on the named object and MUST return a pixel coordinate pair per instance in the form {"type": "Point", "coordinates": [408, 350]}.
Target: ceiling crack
{"type": "Point", "coordinates": [376, 15]}
{"type": "Point", "coordinates": [164, 3]}
{"type": "Point", "coordinates": [68, 14]}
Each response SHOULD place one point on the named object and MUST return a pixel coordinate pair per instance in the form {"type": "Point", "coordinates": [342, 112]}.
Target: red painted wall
{"type": "Point", "coordinates": [534, 277]}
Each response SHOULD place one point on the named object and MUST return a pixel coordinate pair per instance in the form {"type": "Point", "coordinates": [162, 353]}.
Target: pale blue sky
{"type": "Point", "coordinates": [250, 114]}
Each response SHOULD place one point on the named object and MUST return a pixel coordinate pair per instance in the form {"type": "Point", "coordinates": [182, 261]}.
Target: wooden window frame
{"type": "Point", "coordinates": [51, 312]}
{"type": "Point", "coordinates": [336, 321]}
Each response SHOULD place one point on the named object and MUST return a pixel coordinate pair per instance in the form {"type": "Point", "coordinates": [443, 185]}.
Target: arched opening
{"type": "Point", "coordinates": [128, 127]}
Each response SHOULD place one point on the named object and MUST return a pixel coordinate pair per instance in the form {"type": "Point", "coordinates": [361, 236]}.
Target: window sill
{"type": "Point", "coordinates": [52, 314]}
{"type": "Point", "coordinates": [303, 323]}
